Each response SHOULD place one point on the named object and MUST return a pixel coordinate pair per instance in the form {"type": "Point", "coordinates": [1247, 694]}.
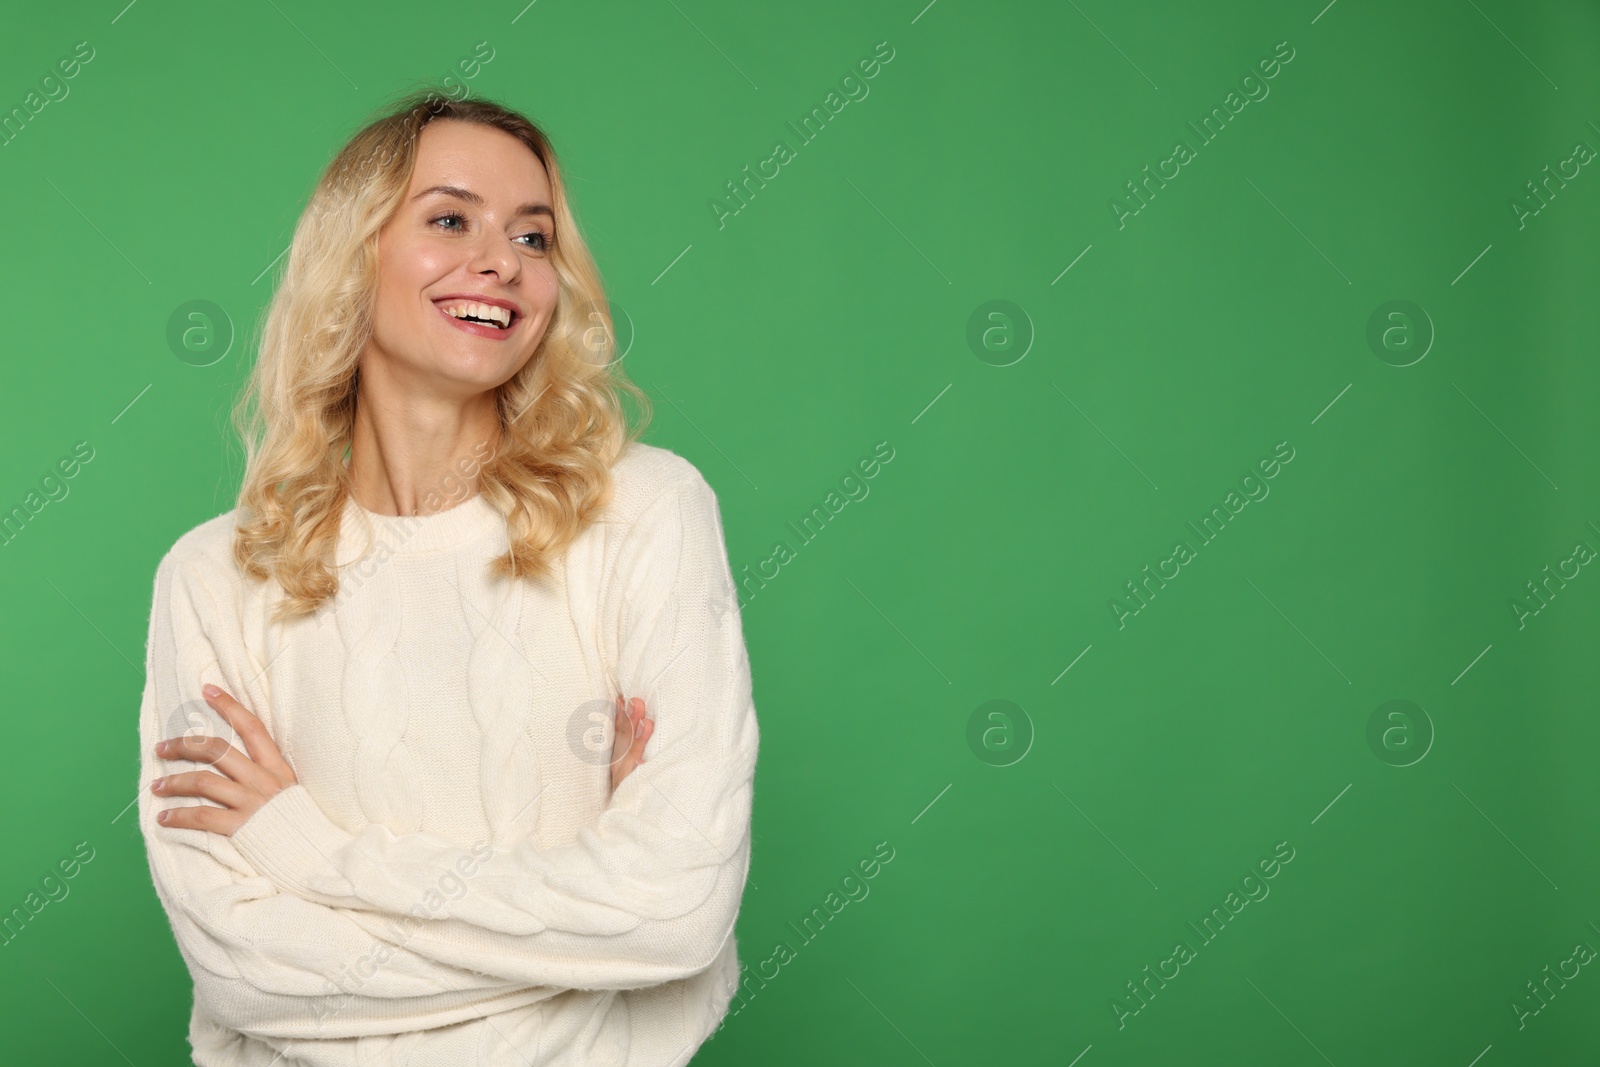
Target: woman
{"type": "Point", "coordinates": [399, 814]}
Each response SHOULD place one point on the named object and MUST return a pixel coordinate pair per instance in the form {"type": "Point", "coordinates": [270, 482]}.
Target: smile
{"type": "Point", "coordinates": [482, 320]}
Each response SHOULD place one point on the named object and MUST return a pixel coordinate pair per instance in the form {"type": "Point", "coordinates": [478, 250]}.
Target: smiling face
{"type": "Point", "coordinates": [475, 226]}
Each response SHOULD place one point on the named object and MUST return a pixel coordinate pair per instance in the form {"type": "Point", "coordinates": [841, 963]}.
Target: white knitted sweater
{"type": "Point", "coordinates": [451, 881]}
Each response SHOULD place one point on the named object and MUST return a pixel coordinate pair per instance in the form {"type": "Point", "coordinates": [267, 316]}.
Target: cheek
{"type": "Point", "coordinates": [407, 268]}
{"type": "Point", "coordinates": [543, 287]}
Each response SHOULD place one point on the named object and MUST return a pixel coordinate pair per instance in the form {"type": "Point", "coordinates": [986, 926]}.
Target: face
{"type": "Point", "coordinates": [484, 237]}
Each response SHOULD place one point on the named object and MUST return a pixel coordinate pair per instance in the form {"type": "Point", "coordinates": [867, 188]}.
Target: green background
{"type": "Point", "coordinates": [1040, 867]}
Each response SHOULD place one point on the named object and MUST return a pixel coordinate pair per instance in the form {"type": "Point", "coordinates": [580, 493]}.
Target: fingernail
{"type": "Point", "coordinates": [210, 690]}
{"type": "Point", "coordinates": [161, 816]}
{"type": "Point", "coordinates": [155, 785]}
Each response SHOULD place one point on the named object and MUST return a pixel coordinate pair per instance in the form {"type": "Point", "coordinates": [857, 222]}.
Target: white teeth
{"type": "Point", "coordinates": [461, 309]}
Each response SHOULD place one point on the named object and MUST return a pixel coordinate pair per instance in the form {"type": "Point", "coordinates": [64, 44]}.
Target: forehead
{"type": "Point", "coordinates": [489, 161]}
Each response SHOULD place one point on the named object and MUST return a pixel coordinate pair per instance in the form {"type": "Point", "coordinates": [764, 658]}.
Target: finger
{"type": "Point", "coordinates": [622, 742]}
{"type": "Point", "coordinates": [619, 730]}
{"type": "Point", "coordinates": [217, 753]}
{"type": "Point", "coordinates": [257, 741]}
{"type": "Point", "coordinates": [623, 727]}
{"type": "Point", "coordinates": [643, 725]}
{"type": "Point", "coordinates": [640, 737]}
{"type": "Point", "coordinates": [199, 817]}
{"type": "Point", "coordinates": [623, 767]}
{"type": "Point", "coordinates": [224, 791]}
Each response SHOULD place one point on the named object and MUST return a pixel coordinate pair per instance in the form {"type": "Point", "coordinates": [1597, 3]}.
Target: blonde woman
{"type": "Point", "coordinates": [395, 805]}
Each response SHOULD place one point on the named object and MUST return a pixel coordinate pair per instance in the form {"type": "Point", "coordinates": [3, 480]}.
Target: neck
{"type": "Point", "coordinates": [415, 461]}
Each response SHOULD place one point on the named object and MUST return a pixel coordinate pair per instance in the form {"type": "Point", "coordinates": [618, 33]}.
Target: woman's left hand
{"type": "Point", "coordinates": [251, 780]}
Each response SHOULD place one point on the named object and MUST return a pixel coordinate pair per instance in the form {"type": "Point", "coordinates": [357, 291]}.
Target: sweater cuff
{"type": "Point", "coordinates": [293, 843]}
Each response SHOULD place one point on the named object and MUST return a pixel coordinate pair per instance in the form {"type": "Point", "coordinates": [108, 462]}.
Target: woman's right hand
{"type": "Point", "coordinates": [633, 731]}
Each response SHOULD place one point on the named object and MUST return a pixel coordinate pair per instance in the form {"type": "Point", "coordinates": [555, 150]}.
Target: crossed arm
{"type": "Point", "coordinates": [295, 927]}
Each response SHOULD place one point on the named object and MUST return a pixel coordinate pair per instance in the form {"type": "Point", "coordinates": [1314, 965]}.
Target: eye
{"type": "Point", "coordinates": [544, 240]}
{"type": "Point", "coordinates": [542, 245]}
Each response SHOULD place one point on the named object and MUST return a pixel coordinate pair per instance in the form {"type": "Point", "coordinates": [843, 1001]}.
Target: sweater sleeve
{"type": "Point", "coordinates": [264, 961]}
{"type": "Point", "coordinates": [650, 892]}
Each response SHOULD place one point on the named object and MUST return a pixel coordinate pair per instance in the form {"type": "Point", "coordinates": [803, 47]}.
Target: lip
{"type": "Point", "coordinates": [478, 329]}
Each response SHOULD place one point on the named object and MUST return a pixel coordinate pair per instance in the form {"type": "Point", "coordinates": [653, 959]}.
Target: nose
{"type": "Point", "coordinates": [493, 251]}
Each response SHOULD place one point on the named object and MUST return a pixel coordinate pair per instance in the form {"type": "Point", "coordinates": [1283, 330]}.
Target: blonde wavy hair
{"type": "Point", "coordinates": [562, 423]}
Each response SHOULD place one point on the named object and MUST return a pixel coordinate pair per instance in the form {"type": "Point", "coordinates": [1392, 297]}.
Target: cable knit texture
{"type": "Point", "coordinates": [452, 881]}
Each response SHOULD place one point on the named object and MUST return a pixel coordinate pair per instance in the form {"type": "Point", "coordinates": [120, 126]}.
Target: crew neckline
{"type": "Point", "coordinates": [470, 521]}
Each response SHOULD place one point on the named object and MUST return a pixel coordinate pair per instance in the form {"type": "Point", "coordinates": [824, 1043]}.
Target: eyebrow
{"type": "Point", "coordinates": [473, 198]}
